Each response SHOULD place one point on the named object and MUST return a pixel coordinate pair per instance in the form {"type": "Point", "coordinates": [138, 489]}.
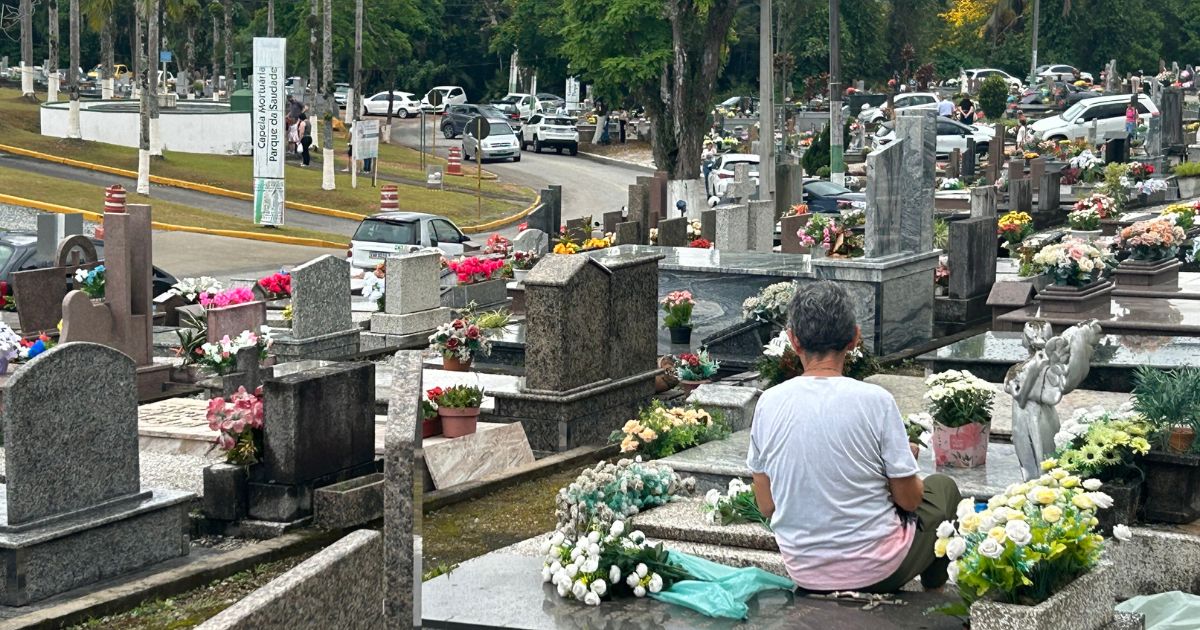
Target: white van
{"type": "Point", "coordinates": [1107, 111]}
{"type": "Point", "coordinates": [451, 95]}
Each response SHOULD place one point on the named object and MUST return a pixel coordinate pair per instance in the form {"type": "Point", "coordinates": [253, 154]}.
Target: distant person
{"type": "Point", "coordinates": [1131, 117]}
{"type": "Point", "coordinates": [304, 131]}
{"type": "Point", "coordinates": [945, 107]}
{"type": "Point", "coordinates": [1024, 134]}
{"type": "Point", "coordinates": [966, 111]}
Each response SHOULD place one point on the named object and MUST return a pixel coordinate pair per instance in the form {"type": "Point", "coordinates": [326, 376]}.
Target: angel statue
{"type": "Point", "coordinates": [1056, 366]}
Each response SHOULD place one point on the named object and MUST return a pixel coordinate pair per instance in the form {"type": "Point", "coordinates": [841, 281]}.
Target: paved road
{"type": "Point", "coordinates": [588, 187]}
{"type": "Point", "coordinates": [226, 258]}
{"type": "Point", "coordinates": [214, 203]}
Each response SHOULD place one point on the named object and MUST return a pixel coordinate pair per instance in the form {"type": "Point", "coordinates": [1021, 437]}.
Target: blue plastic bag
{"type": "Point", "coordinates": [718, 590]}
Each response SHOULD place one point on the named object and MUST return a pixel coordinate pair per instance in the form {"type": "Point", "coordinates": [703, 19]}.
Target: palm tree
{"type": "Point", "coordinates": [52, 56]}
{"type": "Point", "coordinates": [330, 107]}
{"type": "Point", "coordinates": [153, 43]}
{"type": "Point", "coordinates": [187, 13]}
{"type": "Point", "coordinates": [227, 33]}
{"type": "Point", "coordinates": [27, 48]}
{"type": "Point", "coordinates": [99, 20]}
{"type": "Point", "coordinates": [73, 73]}
{"type": "Point", "coordinates": [143, 78]}
{"type": "Point", "coordinates": [270, 18]}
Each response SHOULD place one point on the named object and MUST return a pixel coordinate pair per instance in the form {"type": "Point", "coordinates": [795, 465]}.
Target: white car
{"type": "Point", "coordinates": [389, 233]}
{"type": "Point", "coordinates": [1062, 72]}
{"type": "Point", "coordinates": [979, 74]}
{"type": "Point", "coordinates": [722, 173]}
{"type": "Point", "coordinates": [451, 95]}
{"type": "Point", "coordinates": [902, 102]}
{"type": "Point", "coordinates": [548, 130]}
{"type": "Point", "coordinates": [951, 135]}
{"type": "Point", "coordinates": [403, 104]}
{"type": "Point", "coordinates": [501, 143]}
{"type": "Point", "coordinates": [526, 104]}
{"type": "Point", "coordinates": [1108, 112]}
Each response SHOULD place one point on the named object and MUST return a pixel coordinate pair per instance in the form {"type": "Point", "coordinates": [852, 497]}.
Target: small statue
{"type": "Point", "coordinates": [1056, 366]}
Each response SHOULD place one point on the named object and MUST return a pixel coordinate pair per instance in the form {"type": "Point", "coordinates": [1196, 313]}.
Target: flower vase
{"type": "Point", "coordinates": [431, 427]}
{"type": "Point", "coordinates": [681, 335]}
{"type": "Point", "coordinates": [818, 251]}
{"type": "Point", "coordinates": [688, 386]}
{"type": "Point", "coordinates": [1180, 439]}
{"type": "Point", "coordinates": [961, 447]}
{"type": "Point", "coordinates": [454, 364]}
{"type": "Point", "coordinates": [519, 274]}
{"type": "Point", "coordinates": [457, 422]}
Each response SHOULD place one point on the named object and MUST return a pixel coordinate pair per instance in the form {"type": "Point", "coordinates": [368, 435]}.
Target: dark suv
{"type": "Point", "coordinates": [457, 117]}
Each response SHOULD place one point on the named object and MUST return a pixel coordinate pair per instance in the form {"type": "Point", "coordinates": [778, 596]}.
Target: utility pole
{"type": "Point", "coordinates": [270, 18]}
{"type": "Point", "coordinates": [1037, 10]}
{"type": "Point", "coordinates": [837, 168]}
{"type": "Point", "coordinates": [766, 103]}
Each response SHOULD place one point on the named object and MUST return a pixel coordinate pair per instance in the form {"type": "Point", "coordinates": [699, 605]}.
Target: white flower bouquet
{"type": "Point", "coordinates": [1071, 263]}
{"type": "Point", "coordinates": [191, 288]}
{"type": "Point", "coordinates": [736, 505]}
{"type": "Point", "coordinates": [957, 398]}
{"type": "Point", "coordinates": [1031, 541]}
{"type": "Point", "coordinates": [605, 562]}
{"type": "Point", "coordinates": [609, 492]}
{"type": "Point", "coordinates": [771, 303]}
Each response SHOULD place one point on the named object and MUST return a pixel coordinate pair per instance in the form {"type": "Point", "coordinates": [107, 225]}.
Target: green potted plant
{"type": "Point", "coordinates": [695, 369]}
{"type": "Point", "coordinates": [1187, 174]}
{"type": "Point", "coordinates": [458, 407]}
{"type": "Point", "coordinates": [659, 431]}
{"type": "Point", "coordinates": [1106, 448]}
{"type": "Point", "coordinates": [522, 263]}
{"type": "Point", "coordinates": [678, 306]}
{"type": "Point", "coordinates": [1170, 402]}
{"type": "Point", "coordinates": [458, 342]}
{"type": "Point", "coordinates": [961, 406]}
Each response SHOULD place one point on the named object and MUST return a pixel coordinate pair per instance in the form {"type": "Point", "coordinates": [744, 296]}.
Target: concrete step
{"type": "Point", "coordinates": [683, 521]}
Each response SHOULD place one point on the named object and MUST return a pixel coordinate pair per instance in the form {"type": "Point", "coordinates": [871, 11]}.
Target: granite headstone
{"type": "Point", "coordinates": [918, 129]}
{"type": "Point", "coordinates": [400, 502]}
{"type": "Point", "coordinates": [321, 297]}
{"type": "Point", "coordinates": [733, 227]}
{"type": "Point", "coordinates": [628, 233]}
{"type": "Point", "coordinates": [884, 205]}
{"type": "Point", "coordinates": [532, 239]}
{"type": "Point", "coordinates": [567, 323]}
{"type": "Point", "coordinates": [673, 232]}
{"type": "Point", "coordinates": [972, 257]}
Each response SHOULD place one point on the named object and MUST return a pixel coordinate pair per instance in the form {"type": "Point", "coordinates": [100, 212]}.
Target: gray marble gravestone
{"type": "Point", "coordinates": [628, 233]}
{"type": "Point", "coordinates": [968, 161]}
{"type": "Point", "coordinates": [1020, 194]}
{"type": "Point", "coordinates": [531, 240]}
{"type": "Point", "coordinates": [983, 201]}
{"type": "Point", "coordinates": [579, 229]}
{"type": "Point", "coordinates": [789, 187]}
{"type": "Point", "coordinates": [761, 227]}
{"type": "Point", "coordinates": [972, 262]}
{"type": "Point", "coordinates": [732, 227]}
{"type": "Point", "coordinates": [1037, 169]}
{"type": "Point", "coordinates": [318, 429]}
{"type": "Point", "coordinates": [321, 324]}
{"type": "Point", "coordinates": [884, 166]}
{"type": "Point", "coordinates": [673, 232]}
{"type": "Point", "coordinates": [918, 129]}
{"type": "Point", "coordinates": [1050, 196]}
{"type": "Point", "coordinates": [1171, 108]}
{"type": "Point", "coordinates": [413, 307]}
{"type": "Point", "coordinates": [74, 510]}
{"type": "Point", "coordinates": [609, 221]}
{"type": "Point", "coordinates": [639, 210]}
{"type": "Point", "coordinates": [649, 218]}
{"type": "Point", "coordinates": [591, 346]}
{"type": "Point", "coordinates": [1154, 137]}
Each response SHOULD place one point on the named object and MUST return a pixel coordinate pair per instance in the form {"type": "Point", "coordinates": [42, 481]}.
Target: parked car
{"type": "Point", "coordinates": [387, 233]}
{"type": "Point", "coordinates": [341, 91]}
{"type": "Point", "coordinates": [457, 117]}
{"type": "Point", "coordinates": [823, 196]}
{"type": "Point", "coordinates": [951, 135]}
{"type": "Point", "coordinates": [967, 76]}
{"type": "Point", "coordinates": [120, 71]}
{"type": "Point", "coordinates": [1107, 111]}
{"type": "Point", "coordinates": [721, 173]}
{"type": "Point", "coordinates": [511, 113]}
{"type": "Point", "coordinates": [902, 102]}
{"type": "Point", "coordinates": [550, 130]}
{"type": "Point", "coordinates": [501, 143]}
{"type": "Point", "coordinates": [403, 104]}
{"type": "Point", "coordinates": [526, 104]}
{"type": "Point", "coordinates": [18, 252]}
{"type": "Point", "coordinates": [550, 102]}
{"type": "Point", "coordinates": [1057, 94]}
{"type": "Point", "coordinates": [1060, 72]}
{"type": "Point", "coordinates": [451, 95]}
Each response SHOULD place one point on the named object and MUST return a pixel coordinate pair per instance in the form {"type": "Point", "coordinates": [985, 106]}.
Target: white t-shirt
{"type": "Point", "coordinates": [829, 446]}
{"type": "Point", "coordinates": [945, 108]}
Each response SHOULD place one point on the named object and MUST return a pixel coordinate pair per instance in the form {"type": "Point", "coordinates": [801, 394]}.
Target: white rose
{"type": "Point", "coordinates": [1122, 533]}
{"type": "Point", "coordinates": [965, 508]}
{"type": "Point", "coordinates": [618, 528]}
{"type": "Point", "coordinates": [593, 537]}
{"type": "Point", "coordinates": [639, 591]}
{"type": "Point", "coordinates": [591, 566]}
{"type": "Point", "coordinates": [599, 587]}
{"type": "Point", "coordinates": [594, 550]}
{"type": "Point", "coordinates": [631, 580]}
{"type": "Point", "coordinates": [945, 530]}
{"type": "Point", "coordinates": [563, 590]}
{"type": "Point", "coordinates": [956, 548]}
{"type": "Point", "coordinates": [579, 589]}
{"type": "Point", "coordinates": [1102, 500]}
{"type": "Point", "coordinates": [546, 575]}
{"type": "Point", "coordinates": [712, 497]}
{"type": "Point", "coordinates": [1018, 532]}
{"type": "Point", "coordinates": [571, 570]}
{"type": "Point", "coordinates": [1092, 484]}
{"type": "Point", "coordinates": [614, 574]}
{"type": "Point", "coordinates": [952, 572]}
{"type": "Point", "coordinates": [591, 599]}
{"type": "Point", "coordinates": [641, 570]}
{"type": "Point", "coordinates": [656, 583]}
{"type": "Point", "coordinates": [576, 552]}
{"type": "Point", "coordinates": [986, 522]}
{"type": "Point", "coordinates": [989, 548]}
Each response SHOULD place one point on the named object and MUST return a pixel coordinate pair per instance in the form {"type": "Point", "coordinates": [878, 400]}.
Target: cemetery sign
{"type": "Point", "coordinates": [268, 129]}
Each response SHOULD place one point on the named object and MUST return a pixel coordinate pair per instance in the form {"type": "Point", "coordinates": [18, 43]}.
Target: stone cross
{"type": "Point", "coordinates": [742, 187]}
{"type": "Point", "coordinates": [400, 502]}
{"type": "Point", "coordinates": [321, 297]}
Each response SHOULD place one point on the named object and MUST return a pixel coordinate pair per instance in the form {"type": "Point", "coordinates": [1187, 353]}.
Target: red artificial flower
{"type": "Point", "coordinates": [522, 227]}
{"type": "Point", "coordinates": [452, 343]}
{"type": "Point", "coordinates": [432, 394]}
{"type": "Point", "coordinates": [473, 332]}
{"type": "Point", "coordinates": [44, 338]}
{"type": "Point", "coordinates": [458, 324]}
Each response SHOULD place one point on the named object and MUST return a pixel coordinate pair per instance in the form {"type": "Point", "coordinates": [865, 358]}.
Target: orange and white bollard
{"type": "Point", "coordinates": [454, 162]}
{"type": "Point", "coordinates": [389, 198]}
{"type": "Point", "coordinates": [114, 198]}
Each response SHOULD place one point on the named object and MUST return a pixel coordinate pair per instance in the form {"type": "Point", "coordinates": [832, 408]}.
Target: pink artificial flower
{"type": "Point", "coordinates": [239, 425]}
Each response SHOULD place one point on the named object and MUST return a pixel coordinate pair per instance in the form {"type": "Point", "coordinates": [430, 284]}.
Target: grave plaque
{"type": "Point", "coordinates": [882, 237]}
{"type": "Point", "coordinates": [733, 227]}
{"type": "Point", "coordinates": [628, 233]}
{"type": "Point", "coordinates": [789, 241]}
{"type": "Point", "coordinates": [579, 230]}
{"type": "Point", "coordinates": [321, 297]}
{"type": "Point", "coordinates": [673, 232]}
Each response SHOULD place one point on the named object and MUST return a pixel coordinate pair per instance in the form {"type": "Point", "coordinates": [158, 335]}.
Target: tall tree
{"type": "Point", "coordinates": [216, 49]}
{"type": "Point", "coordinates": [143, 79]}
{"type": "Point", "coordinates": [27, 48]}
{"type": "Point", "coordinates": [153, 44]}
{"type": "Point", "coordinates": [73, 130]}
{"type": "Point", "coordinates": [358, 47]}
{"type": "Point", "coordinates": [314, 23]}
{"type": "Point", "coordinates": [227, 35]}
{"type": "Point", "coordinates": [329, 110]}
{"type": "Point", "coordinates": [270, 18]}
{"type": "Point", "coordinates": [52, 54]}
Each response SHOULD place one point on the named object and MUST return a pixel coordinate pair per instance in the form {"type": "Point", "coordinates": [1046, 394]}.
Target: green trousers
{"type": "Point", "coordinates": [938, 504]}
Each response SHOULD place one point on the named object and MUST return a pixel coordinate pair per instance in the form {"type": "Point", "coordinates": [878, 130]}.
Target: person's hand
{"type": "Point", "coordinates": [916, 449]}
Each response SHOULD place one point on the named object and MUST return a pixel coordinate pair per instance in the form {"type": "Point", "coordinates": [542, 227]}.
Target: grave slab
{"type": "Point", "coordinates": [491, 450]}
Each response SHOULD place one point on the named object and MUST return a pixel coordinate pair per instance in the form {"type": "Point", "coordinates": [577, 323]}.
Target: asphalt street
{"type": "Point", "coordinates": [589, 188]}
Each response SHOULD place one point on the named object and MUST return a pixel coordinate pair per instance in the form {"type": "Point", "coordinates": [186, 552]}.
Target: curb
{"type": "Point", "coordinates": [169, 227]}
{"type": "Point", "coordinates": [613, 162]}
{"type": "Point", "coordinates": [501, 222]}
{"type": "Point", "coordinates": [125, 596]}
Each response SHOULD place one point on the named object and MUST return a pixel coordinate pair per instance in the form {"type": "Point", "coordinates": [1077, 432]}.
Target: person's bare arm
{"type": "Point", "coordinates": [762, 494]}
{"type": "Point", "coordinates": [906, 492]}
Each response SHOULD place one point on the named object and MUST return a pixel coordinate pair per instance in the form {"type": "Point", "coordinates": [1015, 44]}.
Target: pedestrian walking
{"type": "Point", "coordinates": [305, 134]}
{"type": "Point", "coordinates": [966, 111]}
{"type": "Point", "coordinates": [1131, 117]}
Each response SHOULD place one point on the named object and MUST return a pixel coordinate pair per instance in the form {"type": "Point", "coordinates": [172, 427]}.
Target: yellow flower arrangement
{"type": "Point", "coordinates": [659, 430]}
{"type": "Point", "coordinates": [566, 248]}
{"type": "Point", "coordinates": [596, 243]}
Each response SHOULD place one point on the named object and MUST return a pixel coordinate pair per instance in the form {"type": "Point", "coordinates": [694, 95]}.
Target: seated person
{"type": "Point", "coordinates": [833, 468]}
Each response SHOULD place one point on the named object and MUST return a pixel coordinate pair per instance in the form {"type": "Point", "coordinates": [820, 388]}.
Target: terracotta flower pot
{"type": "Point", "coordinates": [688, 386]}
{"type": "Point", "coordinates": [1180, 440]}
{"type": "Point", "coordinates": [431, 427]}
{"type": "Point", "coordinates": [457, 422]}
{"type": "Point", "coordinates": [961, 447]}
{"type": "Point", "coordinates": [454, 364]}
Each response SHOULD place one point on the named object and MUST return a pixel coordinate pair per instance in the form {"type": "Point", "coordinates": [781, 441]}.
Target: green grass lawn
{"type": "Point", "coordinates": [19, 127]}
{"type": "Point", "coordinates": [89, 197]}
